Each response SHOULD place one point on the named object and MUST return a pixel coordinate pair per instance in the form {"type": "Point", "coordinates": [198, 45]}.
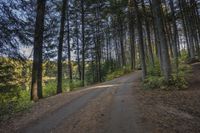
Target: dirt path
{"type": "Point", "coordinates": [107, 107]}
{"type": "Point", "coordinates": [117, 106]}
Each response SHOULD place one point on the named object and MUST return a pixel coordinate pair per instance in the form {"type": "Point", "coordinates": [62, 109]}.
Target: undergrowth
{"type": "Point", "coordinates": [19, 100]}
{"type": "Point", "coordinates": [178, 81]}
{"type": "Point", "coordinates": [10, 106]}
{"type": "Point", "coordinates": [117, 73]}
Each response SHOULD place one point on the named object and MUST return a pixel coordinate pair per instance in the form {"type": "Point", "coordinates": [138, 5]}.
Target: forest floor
{"type": "Point", "coordinates": [117, 106]}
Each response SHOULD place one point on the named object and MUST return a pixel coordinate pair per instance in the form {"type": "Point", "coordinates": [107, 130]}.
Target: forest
{"type": "Point", "coordinates": [48, 47]}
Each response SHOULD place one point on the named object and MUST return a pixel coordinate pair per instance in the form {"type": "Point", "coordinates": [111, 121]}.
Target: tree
{"type": "Point", "coordinates": [141, 43]}
{"type": "Point", "coordinates": [131, 32]}
{"type": "Point", "coordinates": [60, 46]}
{"type": "Point", "coordinates": [68, 43]}
{"type": "Point", "coordinates": [166, 66]}
{"type": "Point", "coordinates": [36, 86]}
{"type": "Point", "coordinates": [148, 33]}
{"type": "Point", "coordinates": [83, 41]}
{"type": "Point", "coordinates": [175, 34]}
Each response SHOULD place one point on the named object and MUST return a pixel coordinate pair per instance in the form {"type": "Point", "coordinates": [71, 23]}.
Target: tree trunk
{"type": "Point", "coordinates": [68, 44]}
{"type": "Point", "coordinates": [175, 35]}
{"type": "Point", "coordinates": [78, 48]}
{"type": "Point", "coordinates": [122, 43]}
{"type": "Point", "coordinates": [148, 34]}
{"type": "Point", "coordinates": [83, 41]}
{"type": "Point", "coordinates": [60, 47]}
{"type": "Point", "coordinates": [141, 43]}
{"type": "Point", "coordinates": [131, 34]}
{"type": "Point", "coordinates": [166, 66]}
{"type": "Point", "coordinates": [36, 85]}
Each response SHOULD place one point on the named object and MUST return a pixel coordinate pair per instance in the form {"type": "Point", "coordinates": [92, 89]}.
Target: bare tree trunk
{"type": "Point", "coordinates": [122, 43]}
{"type": "Point", "coordinates": [83, 41]}
{"type": "Point", "coordinates": [78, 48]}
{"type": "Point", "coordinates": [166, 66]}
{"type": "Point", "coordinates": [131, 34]}
{"type": "Point", "coordinates": [60, 47]}
{"type": "Point", "coordinates": [175, 35]}
{"type": "Point", "coordinates": [36, 85]}
{"type": "Point", "coordinates": [68, 44]}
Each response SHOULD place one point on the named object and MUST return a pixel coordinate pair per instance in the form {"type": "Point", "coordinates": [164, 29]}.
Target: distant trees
{"type": "Point", "coordinates": [95, 38]}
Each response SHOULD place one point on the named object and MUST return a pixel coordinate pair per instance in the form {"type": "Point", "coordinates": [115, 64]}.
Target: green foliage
{"type": "Point", "coordinates": [50, 86]}
{"type": "Point", "coordinates": [178, 82]}
{"type": "Point", "coordinates": [13, 97]}
{"type": "Point", "coordinates": [75, 84]}
{"type": "Point", "coordinates": [184, 56]}
{"type": "Point", "coordinates": [155, 80]}
{"type": "Point", "coordinates": [10, 104]}
{"type": "Point", "coordinates": [152, 82]}
{"type": "Point", "coordinates": [9, 78]}
{"type": "Point", "coordinates": [154, 70]}
{"type": "Point", "coordinates": [16, 76]}
{"type": "Point", "coordinates": [158, 82]}
{"type": "Point", "coordinates": [118, 73]}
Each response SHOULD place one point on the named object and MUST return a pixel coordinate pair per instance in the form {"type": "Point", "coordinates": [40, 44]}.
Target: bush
{"type": "Point", "coordinates": [50, 86]}
{"type": "Point", "coordinates": [13, 97]}
{"type": "Point", "coordinates": [154, 70]}
{"type": "Point", "coordinates": [158, 82]}
{"type": "Point", "coordinates": [118, 73]}
{"type": "Point", "coordinates": [9, 104]}
{"type": "Point", "coordinates": [152, 82]}
{"type": "Point", "coordinates": [75, 84]}
{"type": "Point", "coordinates": [178, 80]}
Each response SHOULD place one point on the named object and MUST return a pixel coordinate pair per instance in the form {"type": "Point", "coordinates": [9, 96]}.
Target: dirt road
{"type": "Point", "coordinates": [104, 108]}
{"type": "Point", "coordinates": [117, 106]}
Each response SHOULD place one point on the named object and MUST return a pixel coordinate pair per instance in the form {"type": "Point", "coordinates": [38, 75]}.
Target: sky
{"type": "Point", "coordinates": [27, 51]}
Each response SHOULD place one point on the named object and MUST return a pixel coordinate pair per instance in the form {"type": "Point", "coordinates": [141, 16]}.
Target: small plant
{"type": "Point", "coordinates": [154, 70]}
{"type": "Point", "coordinates": [152, 82]}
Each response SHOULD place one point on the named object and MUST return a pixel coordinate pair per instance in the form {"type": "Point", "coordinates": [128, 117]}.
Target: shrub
{"type": "Point", "coordinates": [118, 73]}
{"type": "Point", "coordinates": [75, 84]}
{"type": "Point", "coordinates": [158, 82]}
{"type": "Point", "coordinates": [152, 82]}
{"type": "Point", "coordinates": [50, 86]}
{"type": "Point", "coordinates": [178, 80]}
{"type": "Point", "coordinates": [10, 104]}
{"type": "Point", "coordinates": [154, 70]}
{"type": "Point", "coordinates": [13, 97]}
